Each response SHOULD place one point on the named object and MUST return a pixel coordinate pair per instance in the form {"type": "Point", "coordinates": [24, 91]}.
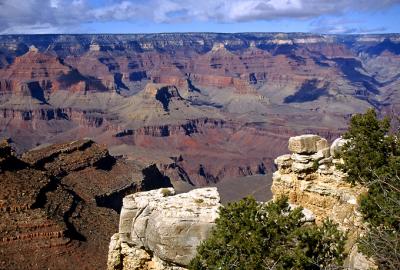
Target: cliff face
{"type": "Point", "coordinates": [309, 178]}
{"type": "Point", "coordinates": [39, 74]}
{"type": "Point", "coordinates": [59, 204]}
{"type": "Point", "coordinates": [244, 62]}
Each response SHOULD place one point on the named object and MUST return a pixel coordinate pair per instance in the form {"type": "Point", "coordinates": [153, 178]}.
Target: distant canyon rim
{"type": "Point", "coordinates": [205, 107]}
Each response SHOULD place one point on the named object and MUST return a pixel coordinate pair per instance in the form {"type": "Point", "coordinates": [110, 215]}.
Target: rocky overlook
{"type": "Point", "coordinates": [160, 230]}
{"type": "Point", "coordinates": [309, 178]}
{"type": "Point", "coordinates": [193, 98]}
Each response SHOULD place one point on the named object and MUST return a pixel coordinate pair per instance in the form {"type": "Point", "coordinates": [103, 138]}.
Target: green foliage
{"type": "Point", "coordinates": [323, 245]}
{"type": "Point", "coordinates": [368, 148]}
{"type": "Point", "coordinates": [249, 235]}
{"type": "Point", "coordinates": [166, 192]}
{"type": "Point", "coordinates": [381, 208]}
{"type": "Point", "coordinates": [382, 244]}
{"type": "Point", "coordinates": [372, 158]}
{"type": "Point", "coordinates": [315, 165]}
{"type": "Point", "coordinates": [381, 205]}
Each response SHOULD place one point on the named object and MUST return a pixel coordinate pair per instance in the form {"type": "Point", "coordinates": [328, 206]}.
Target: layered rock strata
{"type": "Point", "coordinates": [160, 230]}
{"type": "Point", "coordinates": [64, 87]}
{"type": "Point", "coordinates": [59, 204]}
{"type": "Point", "coordinates": [309, 178]}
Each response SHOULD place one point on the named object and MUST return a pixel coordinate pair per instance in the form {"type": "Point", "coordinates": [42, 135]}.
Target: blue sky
{"type": "Point", "coordinates": [153, 16]}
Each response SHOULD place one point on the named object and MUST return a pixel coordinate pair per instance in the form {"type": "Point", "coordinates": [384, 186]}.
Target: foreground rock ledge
{"type": "Point", "coordinates": [160, 230]}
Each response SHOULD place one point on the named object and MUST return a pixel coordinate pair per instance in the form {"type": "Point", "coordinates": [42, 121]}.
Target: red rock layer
{"type": "Point", "coordinates": [56, 204]}
{"type": "Point", "coordinates": [38, 74]}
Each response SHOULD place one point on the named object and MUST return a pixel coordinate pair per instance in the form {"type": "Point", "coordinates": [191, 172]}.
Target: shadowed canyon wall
{"type": "Point", "coordinates": [207, 102]}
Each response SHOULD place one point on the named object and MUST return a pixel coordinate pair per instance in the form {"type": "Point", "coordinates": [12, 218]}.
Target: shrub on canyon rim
{"type": "Point", "coordinates": [369, 147]}
{"type": "Point", "coordinates": [250, 235]}
{"type": "Point", "coordinates": [372, 158]}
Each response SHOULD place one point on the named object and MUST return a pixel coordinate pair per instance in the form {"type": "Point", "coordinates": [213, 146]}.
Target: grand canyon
{"type": "Point", "coordinates": [93, 118]}
{"type": "Point", "coordinates": [216, 105]}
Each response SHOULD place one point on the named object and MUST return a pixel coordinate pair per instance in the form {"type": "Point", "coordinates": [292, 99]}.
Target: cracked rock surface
{"type": "Point", "coordinates": [167, 226]}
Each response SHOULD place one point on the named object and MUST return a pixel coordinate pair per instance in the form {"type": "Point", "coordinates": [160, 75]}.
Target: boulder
{"type": "Point", "coordinates": [308, 214]}
{"type": "Point", "coordinates": [317, 156]}
{"type": "Point", "coordinates": [305, 144]}
{"type": "Point", "coordinates": [337, 146]}
{"type": "Point", "coordinates": [133, 205]}
{"type": "Point", "coordinates": [169, 226]}
{"type": "Point", "coordinates": [358, 261]}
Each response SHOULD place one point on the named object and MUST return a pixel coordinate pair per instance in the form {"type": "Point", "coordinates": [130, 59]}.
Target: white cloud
{"type": "Point", "coordinates": [37, 29]}
{"type": "Point", "coordinates": [22, 16]}
{"type": "Point", "coordinates": [125, 10]}
{"type": "Point", "coordinates": [341, 25]}
{"type": "Point", "coordinates": [348, 29]}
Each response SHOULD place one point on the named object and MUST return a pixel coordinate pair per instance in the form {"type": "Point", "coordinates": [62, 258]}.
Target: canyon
{"type": "Point", "coordinates": [216, 106]}
{"type": "Point", "coordinates": [89, 119]}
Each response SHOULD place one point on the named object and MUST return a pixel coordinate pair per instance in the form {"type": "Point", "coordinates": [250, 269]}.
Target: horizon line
{"type": "Point", "coordinates": [199, 32]}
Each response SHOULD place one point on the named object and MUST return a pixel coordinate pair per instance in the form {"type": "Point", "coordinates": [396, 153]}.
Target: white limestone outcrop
{"type": "Point", "coordinates": [306, 144]}
{"type": "Point", "coordinates": [160, 230]}
{"type": "Point", "coordinates": [310, 179]}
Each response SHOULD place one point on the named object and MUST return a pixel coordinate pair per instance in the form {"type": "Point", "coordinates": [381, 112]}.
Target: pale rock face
{"type": "Point", "coordinates": [305, 144]}
{"type": "Point", "coordinates": [337, 146]}
{"type": "Point", "coordinates": [282, 159]}
{"type": "Point", "coordinates": [299, 167]}
{"type": "Point", "coordinates": [308, 214]}
{"type": "Point", "coordinates": [357, 260]}
{"type": "Point", "coordinates": [326, 152]}
{"type": "Point", "coordinates": [327, 160]}
{"type": "Point", "coordinates": [169, 226]}
{"type": "Point", "coordinates": [322, 144]}
{"type": "Point", "coordinates": [284, 163]}
{"type": "Point", "coordinates": [218, 46]}
{"type": "Point", "coordinates": [94, 47]}
{"type": "Point", "coordinates": [317, 156]}
{"type": "Point", "coordinates": [313, 182]}
{"type": "Point", "coordinates": [126, 257]}
{"type": "Point", "coordinates": [301, 158]}
{"type": "Point", "coordinates": [32, 48]}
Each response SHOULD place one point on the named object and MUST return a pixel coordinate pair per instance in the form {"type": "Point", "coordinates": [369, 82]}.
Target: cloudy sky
{"type": "Point", "coordinates": [144, 16]}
